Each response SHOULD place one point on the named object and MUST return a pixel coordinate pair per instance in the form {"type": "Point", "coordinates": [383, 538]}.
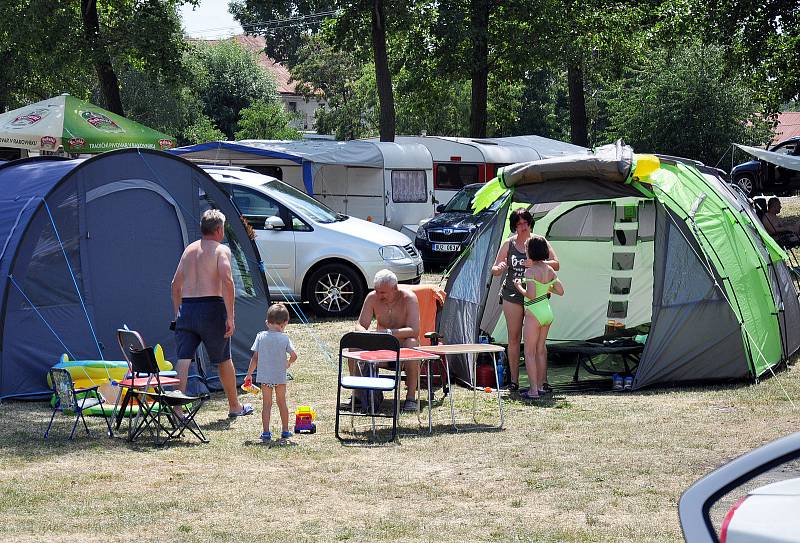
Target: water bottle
{"type": "Point", "coordinates": [500, 371]}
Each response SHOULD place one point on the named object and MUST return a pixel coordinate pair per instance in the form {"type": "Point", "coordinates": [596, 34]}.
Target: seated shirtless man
{"type": "Point", "coordinates": [396, 311]}
{"type": "Point", "coordinates": [787, 235]}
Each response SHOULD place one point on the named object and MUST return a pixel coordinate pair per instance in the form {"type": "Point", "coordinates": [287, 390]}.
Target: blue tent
{"type": "Point", "coordinates": [89, 245]}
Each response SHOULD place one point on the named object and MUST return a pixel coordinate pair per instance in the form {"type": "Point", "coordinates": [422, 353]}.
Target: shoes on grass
{"type": "Point", "coordinates": [246, 409]}
{"type": "Point", "coordinates": [628, 383]}
{"type": "Point", "coordinates": [409, 406]}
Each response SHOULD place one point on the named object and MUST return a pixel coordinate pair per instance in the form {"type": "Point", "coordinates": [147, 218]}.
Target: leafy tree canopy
{"type": "Point", "coordinates": [229, 79]}
{"type": "Point", "coordinates": [266, 121]}
{"type": "Point", "coordinates": [681, 102]}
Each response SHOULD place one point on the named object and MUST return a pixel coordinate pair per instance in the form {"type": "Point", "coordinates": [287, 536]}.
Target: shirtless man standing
{"type": "Point", "coordinates": [396, 311]}
{"type": "Point", "coordinates": [202, 296]}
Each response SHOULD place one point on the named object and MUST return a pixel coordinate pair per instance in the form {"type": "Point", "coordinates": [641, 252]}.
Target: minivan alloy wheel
{"type": "Point", "coordinates": [335, 290]}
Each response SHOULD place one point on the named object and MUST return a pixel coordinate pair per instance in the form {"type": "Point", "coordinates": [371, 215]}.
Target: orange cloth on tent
{"type": "Point", "coordinates": [430, 297]}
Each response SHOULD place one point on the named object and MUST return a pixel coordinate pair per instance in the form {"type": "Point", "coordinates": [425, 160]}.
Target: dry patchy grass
{"type": "Point", "coordinates": [582, 468]}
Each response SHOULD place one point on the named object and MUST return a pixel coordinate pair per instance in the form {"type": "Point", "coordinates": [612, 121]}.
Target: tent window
{"type": "Point", "coordinates": [647, 220]}
{"type": "Point", "coordinates": [622, 261]}
{"type": "Point", "coordinates": [242, 272]}
{"type": "Point", "coordinates": [455, 176]}
{"type": "Point", "coordinates": [686, 280]}
{"type": "Point", "coordinates": [409, 186]}
{"type": "Point", "coordinates": [620, 285]}
{"type": "Point", "coordinates": [617, 310]}
{"type": "Point", "coordinates": [48, 281]}
{"type": "Point", "coordinates": [592, 222]}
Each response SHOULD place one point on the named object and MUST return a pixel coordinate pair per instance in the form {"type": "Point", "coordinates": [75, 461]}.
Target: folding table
{"type": "Point", "coordinates": [406, 355]}
{"type": "Point", "coordinates": [471, 350]}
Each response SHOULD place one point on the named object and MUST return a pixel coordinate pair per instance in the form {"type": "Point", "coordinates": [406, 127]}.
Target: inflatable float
{"type": "Point", "coordinates": [101, 373]}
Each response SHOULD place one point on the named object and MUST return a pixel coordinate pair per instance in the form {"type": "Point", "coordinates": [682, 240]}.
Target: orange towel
{"type": "Point", "coordinates": [430, 297]}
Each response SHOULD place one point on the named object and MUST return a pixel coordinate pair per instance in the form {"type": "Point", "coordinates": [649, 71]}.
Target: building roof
{"type": "Point", "coordinates": [788, 126]}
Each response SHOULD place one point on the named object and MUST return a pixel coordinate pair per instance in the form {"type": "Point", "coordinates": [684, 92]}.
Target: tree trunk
{"type": "Point", "coordinates": [109, 84]}
{"type": "Point", "coordinates": [578, 131]}
{"type": "Point", "coordinates": [383, 78]}
{"type": "Point", "coordinates": [479, 23]}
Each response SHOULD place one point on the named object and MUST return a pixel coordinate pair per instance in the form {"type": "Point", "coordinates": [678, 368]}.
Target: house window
{"type": "Point", "coordinates": [293, 107]}
{"type": "Point", "coordinates": [409, 186]}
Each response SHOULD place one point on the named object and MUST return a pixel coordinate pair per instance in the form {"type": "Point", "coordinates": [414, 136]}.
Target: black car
{"type": "Point", "coordinates": [762, 177]}
{"type": "Point", "coordinates": [442, 239]}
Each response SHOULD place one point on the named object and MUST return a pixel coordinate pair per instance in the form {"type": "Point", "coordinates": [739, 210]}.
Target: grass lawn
{"type": "Point", "coordinates": [583, 467]}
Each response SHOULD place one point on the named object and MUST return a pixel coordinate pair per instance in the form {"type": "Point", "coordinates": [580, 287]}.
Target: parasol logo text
{"type": "Point", "coordinates": [77, 143]}
{"type": "Point", "coordinates": [101, 122]}
{"type": "Point", "coordinates": [29, 118]}
{"type": "Point", "coordinates": [48, 141]}
{"type": "Point", "coordinates": [165, 144]}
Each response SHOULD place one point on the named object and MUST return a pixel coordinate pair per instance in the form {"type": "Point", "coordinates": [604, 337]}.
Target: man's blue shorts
{"type": "Point", "coordinates": [203, 319]}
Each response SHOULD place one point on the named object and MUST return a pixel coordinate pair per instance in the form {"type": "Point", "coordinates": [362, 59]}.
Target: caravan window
{"type": "Point", "coordinates": [455, 175]}
{"type": "Point", "coordinates": [409, 186]}
{"type": "Point", "coordinates": [590, 222]}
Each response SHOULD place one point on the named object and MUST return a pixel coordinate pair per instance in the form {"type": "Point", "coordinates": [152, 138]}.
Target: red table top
{"type": "Point", "coordinates": [406, 354]}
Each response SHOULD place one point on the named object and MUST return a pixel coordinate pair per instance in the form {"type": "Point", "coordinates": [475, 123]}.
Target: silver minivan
{"type": "Point", "coordinates": [311, 253]}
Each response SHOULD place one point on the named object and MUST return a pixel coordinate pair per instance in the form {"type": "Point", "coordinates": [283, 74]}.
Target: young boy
{"type": "Point", "coordinates": [269, 356]}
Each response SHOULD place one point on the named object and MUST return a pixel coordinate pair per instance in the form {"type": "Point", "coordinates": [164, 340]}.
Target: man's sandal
{"type": "Point", "coordinates": [246, 409]}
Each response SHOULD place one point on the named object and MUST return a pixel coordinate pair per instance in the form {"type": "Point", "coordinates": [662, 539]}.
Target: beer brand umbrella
{"type": "Point", "coordinates": [75, 126]}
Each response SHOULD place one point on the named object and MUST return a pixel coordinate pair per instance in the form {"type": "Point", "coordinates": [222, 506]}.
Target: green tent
{"type": "Point", "coordinates": [65, 123]}
{"type": "Point", "coordinates": [656, 245]}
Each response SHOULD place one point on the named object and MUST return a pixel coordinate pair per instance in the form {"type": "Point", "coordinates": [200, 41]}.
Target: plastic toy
{"type": "Point", "coordinates": [304, 420]}
{"type": "Point", "coordinates": [251, 388]}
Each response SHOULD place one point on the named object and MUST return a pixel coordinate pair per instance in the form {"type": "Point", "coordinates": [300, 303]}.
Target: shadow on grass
{"type": "Point", "coordinates": [22, 427]}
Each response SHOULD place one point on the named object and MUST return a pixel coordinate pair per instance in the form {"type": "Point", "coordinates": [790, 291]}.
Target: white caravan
{"type": "Point", "coordinates": [461, 161]}
{"type": "Point", "coordinates": [386, 183]}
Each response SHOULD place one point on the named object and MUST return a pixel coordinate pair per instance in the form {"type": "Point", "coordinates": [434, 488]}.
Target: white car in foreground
{"type": "Point", "coordinates": [311, 253]}
{"type": "Point", "coordinates": [767, 514]}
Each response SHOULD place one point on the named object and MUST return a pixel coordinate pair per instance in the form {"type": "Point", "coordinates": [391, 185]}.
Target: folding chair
{"type": "Point", "coordinates": [132, 340]}
{"type": "Point", "coordinates": [67, 400]}
{"type": "Point", "coordinates": [373, 381]}
{"type": "Point", "coordinates": [156, 403]}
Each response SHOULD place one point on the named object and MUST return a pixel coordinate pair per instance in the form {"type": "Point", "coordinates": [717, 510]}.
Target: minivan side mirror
{"type": "Point", "coordinates": [440, 208]}
{"type": "Point", "coordinates": [273, 223]}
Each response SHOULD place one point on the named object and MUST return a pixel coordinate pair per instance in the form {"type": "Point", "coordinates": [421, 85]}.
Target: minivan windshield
{"type": "Point", "coordinates": [462, 201]}
{"type": "Point", "coordinates": [304, 203]}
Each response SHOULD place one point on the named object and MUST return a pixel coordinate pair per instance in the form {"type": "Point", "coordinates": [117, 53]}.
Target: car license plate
{"type": "Point", "coordinates": [446, 247]}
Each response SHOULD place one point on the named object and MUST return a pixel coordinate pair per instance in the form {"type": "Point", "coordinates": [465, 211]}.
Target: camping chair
{"type": "Point", "coordinates": [430, 298]}
{"type": "Point", "coordinates": [67, 400]}
{"type": "Point", "coordinates": [132, 340]}
{"type": "Point", "coordinates": [156, 403]}
{"type": "Point", "coordinates": [371, 383]}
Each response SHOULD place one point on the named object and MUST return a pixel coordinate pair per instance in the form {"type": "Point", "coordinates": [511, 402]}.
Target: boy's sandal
{"type": "Point", "coordinates": [266, 436]}
{"type": "Point", "coordinates": [513, 387]}
{"type": "Point", "coordinates": [247, 409]}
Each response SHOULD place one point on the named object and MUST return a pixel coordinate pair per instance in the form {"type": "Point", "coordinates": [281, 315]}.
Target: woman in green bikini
{"type": "Point", "coordinates": [540, 281]}
{"type": "Point", "coordinates": [512, 260]}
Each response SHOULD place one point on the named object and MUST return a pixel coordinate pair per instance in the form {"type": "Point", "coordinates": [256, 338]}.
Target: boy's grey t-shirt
{"type": "Point", "coordinates": [272, 348]}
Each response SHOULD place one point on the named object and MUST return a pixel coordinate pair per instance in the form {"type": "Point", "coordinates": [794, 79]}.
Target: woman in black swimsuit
{"type": "Point", "coordinates": [512, 259]}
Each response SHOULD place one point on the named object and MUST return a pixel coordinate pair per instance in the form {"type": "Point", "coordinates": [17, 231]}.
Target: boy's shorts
{"type": "Point", "coordinates": [203, 319]}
